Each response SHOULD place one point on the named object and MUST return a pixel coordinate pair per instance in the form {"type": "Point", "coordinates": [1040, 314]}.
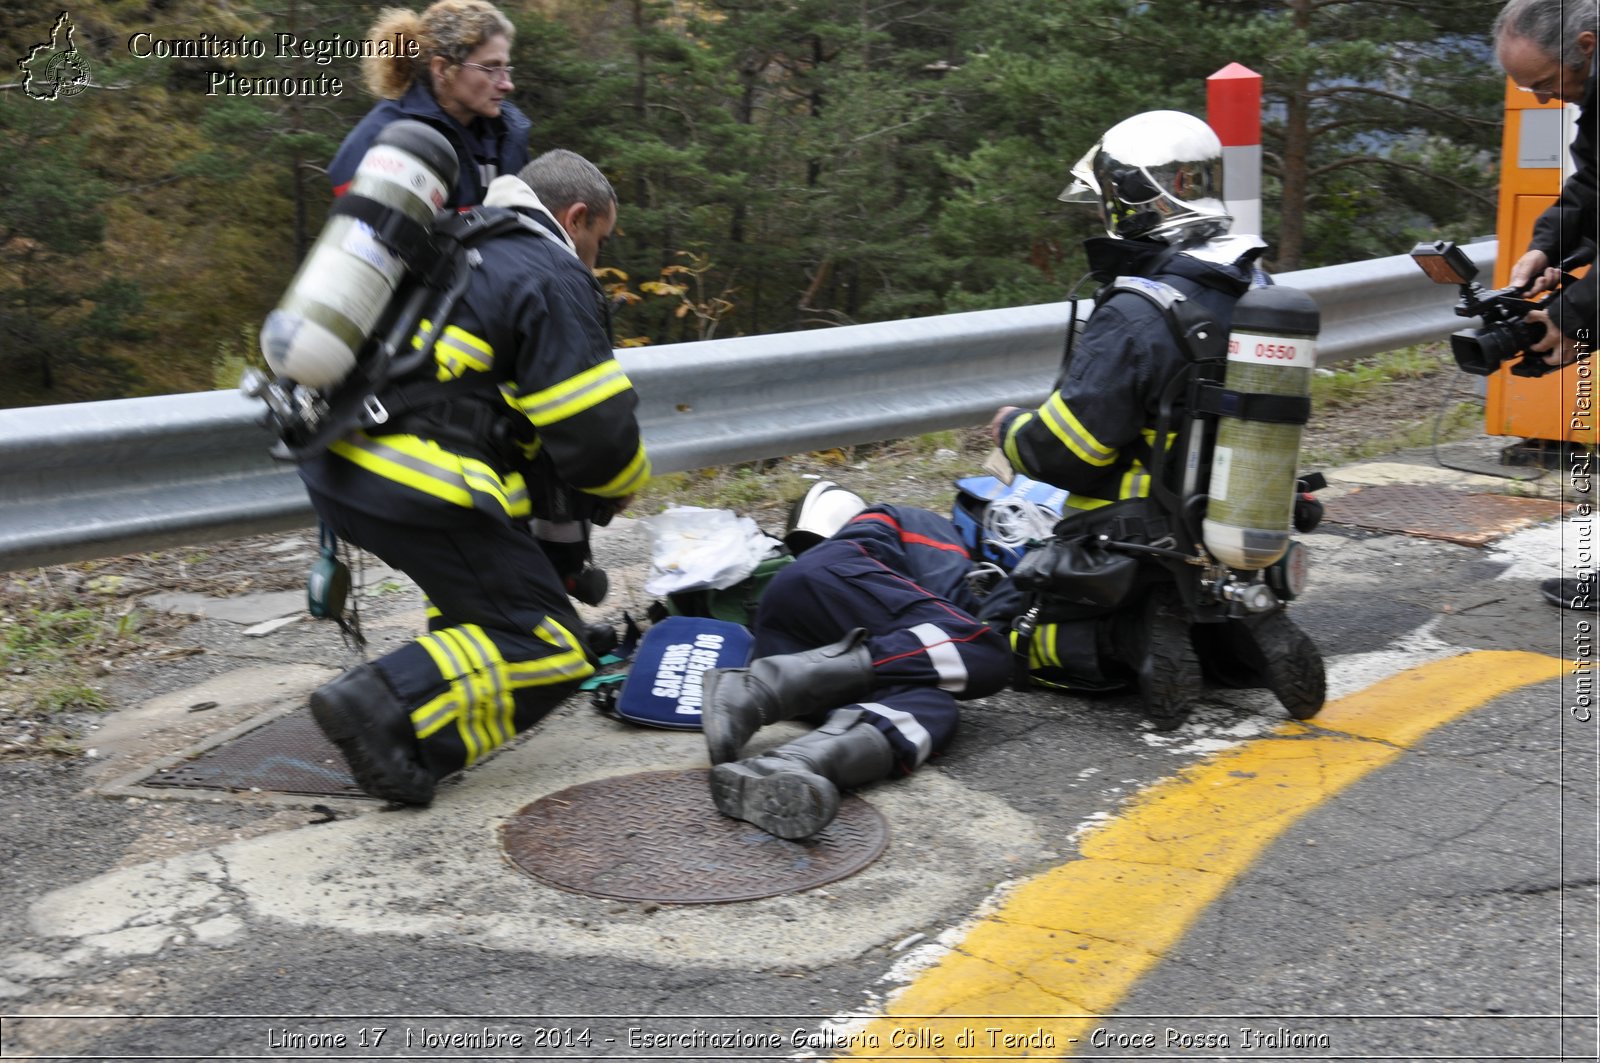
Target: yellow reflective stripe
{"type": "Point", "coordinates": [1052, 647]}
{"type": "Point", "coordinates": [459, 351]}
{"type": "Point", "coordinates": [408, 460]}
{"type": "Point", "coordinates": [463, 340]}
{"type": "Point", "coordinates": [630, 480]}
{"type": "Point", "coordinates": [1036, 649]}
{"type": "Point", "coordinates": [569, 664]}
{"type": "Point", "coordinates": [1073, 435]}
{"type": "Point", "coordinates": [1009, 443]}
{"type": "Point", "coordinates": [1041, 647]}
{"type": "Point", "coordinates": [575, 394]}
{"type": "Point", "coordinates": [474, 738]}
{"type": "Point", "coordinates": [1135, 482]}
{"type": "Point", "coordinates": [425, 466]}
{"type": "Point", "coordinates": [456, 706]}
{"type": "Point", "coordinates": [497, 715]}
{"type": "Point", "coordinates": [433, 716]}
{"type": "Point", "coordinates": [424, 329]}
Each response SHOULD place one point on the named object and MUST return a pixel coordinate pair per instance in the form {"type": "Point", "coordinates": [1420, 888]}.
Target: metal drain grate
{"type": "Point", "coordinates": [1438, 512]}
{"type": "Point", "coordinates": [656, 836]}
{"type": "Point", "coordinates": [289, 755]}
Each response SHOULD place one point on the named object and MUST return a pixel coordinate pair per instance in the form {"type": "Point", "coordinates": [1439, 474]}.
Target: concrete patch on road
{"type": "Point", "coordinates": [243, 609]}
{"type": "Point", "coordinates": [1378, 473]}
{"type": "Point", "coordinates": [128, 743]}
{"type": "Point", "coordinates": [439, 872]}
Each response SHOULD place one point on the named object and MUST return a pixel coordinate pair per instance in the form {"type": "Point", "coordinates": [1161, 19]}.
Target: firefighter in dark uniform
{"type": "Point", "coordinates": [1157, 180]}
{"type": "Point", "coordinates": [445, 494]}
{"type": "Point", "coordinates": [451, 70]}
{"type": "Point", "coordinates": [872, 628]}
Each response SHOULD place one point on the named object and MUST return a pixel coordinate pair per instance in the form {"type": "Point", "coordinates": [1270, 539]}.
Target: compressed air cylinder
{"type": "Point", "coordinates": [1255, 463]}
{"type": "Point", "coordinates": [351, 272]}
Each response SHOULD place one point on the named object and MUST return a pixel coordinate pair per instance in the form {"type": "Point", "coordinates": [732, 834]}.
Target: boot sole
{"type": "Point", "coordinates": [352, 739]}
{"type": "Point", "coordinates": [788, 804]}
{"type": "Point", "coordinates": [1293, 666]}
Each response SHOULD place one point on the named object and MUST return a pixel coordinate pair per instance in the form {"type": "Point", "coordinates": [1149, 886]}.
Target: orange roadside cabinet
{"type": "Point", "coordinates": [1534, 160]}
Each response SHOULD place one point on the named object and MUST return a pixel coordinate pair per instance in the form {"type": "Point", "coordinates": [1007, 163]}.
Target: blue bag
{"type": "Point", "coordinates": [663, 684]}
{"type": "Point", "coordinates": [996, 520]}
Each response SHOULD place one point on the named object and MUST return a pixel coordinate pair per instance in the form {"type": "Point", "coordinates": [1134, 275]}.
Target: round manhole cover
{"type": "Point", "coordinates": [656, 836]}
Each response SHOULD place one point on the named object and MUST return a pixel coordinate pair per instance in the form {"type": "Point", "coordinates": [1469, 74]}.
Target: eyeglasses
{"type": "Point", "coordinates": [496, 73]}
{"type": "Point", "coordinates": [1549, 84]}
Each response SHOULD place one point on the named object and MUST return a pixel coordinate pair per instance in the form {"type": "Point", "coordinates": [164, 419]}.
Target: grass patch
{"type": "Point", "coordinates": [39, 634]}
{"type": "Point", "coordinates": [48, 650]}
{"type": "Point", "coordinates": [918, 471]}
{"type": "Point", "coordinates": [1353, 383]}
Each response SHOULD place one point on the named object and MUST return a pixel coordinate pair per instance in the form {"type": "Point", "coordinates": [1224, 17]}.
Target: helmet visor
{"type": "Point", "coordinates": [1185, 181]}
{"type": "Point", "coordinates": [1084, 188]}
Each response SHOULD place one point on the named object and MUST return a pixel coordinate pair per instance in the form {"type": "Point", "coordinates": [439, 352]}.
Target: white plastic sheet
{"type": "Point", "coordinates": [692, 548]}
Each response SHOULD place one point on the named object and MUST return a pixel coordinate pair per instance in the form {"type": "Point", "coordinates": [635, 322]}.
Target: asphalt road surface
{"type": "Point", "coordinates": [1409, 876]}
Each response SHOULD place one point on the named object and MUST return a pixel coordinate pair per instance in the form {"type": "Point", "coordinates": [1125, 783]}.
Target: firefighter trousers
{"type": "Point", "coordinates": [504, 645]}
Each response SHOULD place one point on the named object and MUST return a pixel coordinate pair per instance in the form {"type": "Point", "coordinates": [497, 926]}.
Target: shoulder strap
{"type": "Point", "coordinates": [469, 227]}
{"type": "Point", "coordinates": [1199, 337]}
{"type": "Point", "coordinates": [1202, 341]}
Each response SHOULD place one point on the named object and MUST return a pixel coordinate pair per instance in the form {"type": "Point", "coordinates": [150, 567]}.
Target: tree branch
{"type": "Point", "coordinates": [1404, 101]}
{"type": "Point", "coordinates": [1378, 160]}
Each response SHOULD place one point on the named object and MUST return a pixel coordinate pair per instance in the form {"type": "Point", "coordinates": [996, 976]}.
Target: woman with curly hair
{"type": "Point", "coordinates": [450, 67]}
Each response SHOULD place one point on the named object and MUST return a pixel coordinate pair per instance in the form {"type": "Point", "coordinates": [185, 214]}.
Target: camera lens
{"type": "Point", "coordinates": [1471, 353]}
{"type": "Point", "coordinates": [1501, 343]}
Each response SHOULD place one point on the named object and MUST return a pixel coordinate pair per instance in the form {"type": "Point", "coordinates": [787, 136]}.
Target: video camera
{"type": "Point", "coordinates": [1505, 334]}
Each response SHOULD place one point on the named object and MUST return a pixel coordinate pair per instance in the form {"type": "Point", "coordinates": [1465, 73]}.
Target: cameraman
{"type": "Point", "coordinates": [1548, 48]}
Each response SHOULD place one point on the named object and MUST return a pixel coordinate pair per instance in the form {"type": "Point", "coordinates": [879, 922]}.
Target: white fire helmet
{"type": "Point", "coordinates": [1155, 176]}
{"type": "Point", "coordinates": [823, 510]}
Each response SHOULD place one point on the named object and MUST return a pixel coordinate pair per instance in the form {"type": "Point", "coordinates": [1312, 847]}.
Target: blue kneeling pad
{"type": "Point", "coordinates": [663, 684]}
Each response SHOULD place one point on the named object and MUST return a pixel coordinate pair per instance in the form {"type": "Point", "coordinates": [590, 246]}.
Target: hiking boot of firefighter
{"type": "Point", "coordinates": [372, 728]}
{"type": "Point", "coordinates": [1287, 660]}
{"type": "Point", "coordinates": [739, 701]}
{"type": "Point", "coordinates": [1153, 640]}
{"type": "Point", "coordinates": [793, 791]}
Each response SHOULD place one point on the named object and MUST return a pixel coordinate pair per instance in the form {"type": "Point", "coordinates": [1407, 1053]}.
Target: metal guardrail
{"type": "Point", "coordinates": [96, 479]}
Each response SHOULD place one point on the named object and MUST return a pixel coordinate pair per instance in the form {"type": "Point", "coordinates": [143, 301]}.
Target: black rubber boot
{"type": "Point", "coordinates": [738, 701]}
{"type": "Point", "coordinates": [793, 791]}
{"type": "Point", "coordinates": [1569, 592]}
{"type": "Point", "coordinates": [363, 717]}
{"type": "Point", "coordinates": [1152, 638]}
{"type": "Point", "coordinates": [1289, 662]}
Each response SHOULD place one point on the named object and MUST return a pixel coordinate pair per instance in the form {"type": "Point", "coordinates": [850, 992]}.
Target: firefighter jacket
{"type": "Point", "coordinates": [1089, 434]}
{"type": "Point", "coordinates": [486, 149]}
{"type": "Point", "coordinates": [544, 413]}
{"type": "Point", "coordinates": [918, 544]}
{"type": "Point", "coordinates": [1570, 221]}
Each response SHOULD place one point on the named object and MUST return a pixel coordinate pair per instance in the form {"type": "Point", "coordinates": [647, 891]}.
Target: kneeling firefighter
{"type": "Point", "coordinates": [1123, 432]}
{"type": "Point", "coordinates": [542, 426]}
{"type": "Point", "coordinates": [871, 632]}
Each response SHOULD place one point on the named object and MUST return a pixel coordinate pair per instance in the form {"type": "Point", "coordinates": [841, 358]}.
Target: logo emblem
{"type": "Point", "coordinates": [55, 69]}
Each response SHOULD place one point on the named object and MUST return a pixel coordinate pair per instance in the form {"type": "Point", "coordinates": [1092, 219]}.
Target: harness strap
{"type": "Point", "coordinates": [411, 240]}
{"type": "Point", "coordinates": [1252, 406]}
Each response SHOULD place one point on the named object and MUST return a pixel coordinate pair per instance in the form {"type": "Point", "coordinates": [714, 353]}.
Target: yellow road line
{"type": "Point", "coordinates": [1066, 946]}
